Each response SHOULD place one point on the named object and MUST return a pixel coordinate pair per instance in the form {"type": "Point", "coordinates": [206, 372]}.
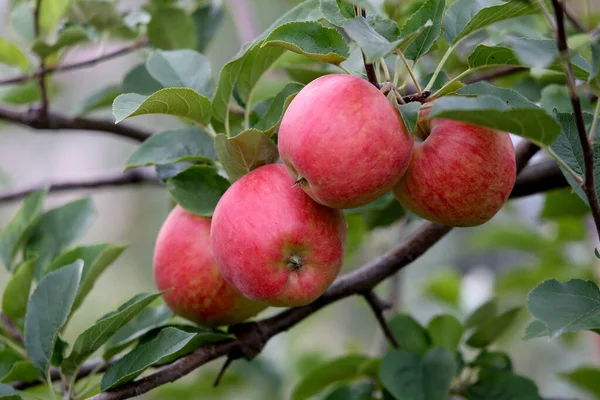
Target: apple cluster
{"type": "Point", "coordinates": [277, 235]}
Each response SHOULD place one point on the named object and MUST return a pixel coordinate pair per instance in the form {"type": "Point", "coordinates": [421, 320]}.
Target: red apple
{"type": "Point", "coordinates": [273, 243]}
{"type": "Point", "coordinates": [460, 174]}
{"type": "Point", "coordinates": [183, 261]}
{"type": "Point", "coordinates": [344, 141]}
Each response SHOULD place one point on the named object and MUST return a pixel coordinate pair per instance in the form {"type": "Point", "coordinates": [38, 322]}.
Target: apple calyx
{"type": "Point", "coordinates": [300, 180]}
{"type": "Point", "coordinates": [295, 263]}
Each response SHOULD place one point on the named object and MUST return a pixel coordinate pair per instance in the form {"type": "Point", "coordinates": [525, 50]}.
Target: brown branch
{"type": "Point", "coordinates": [43, 111]}
{"type": "Point", "coordinates": [119, 179]}
{"type": "Point", "coordinates": [77, 65]}
{"type": "Point", "coordinates": [369, 68]}
{"type": "Point", "coordinates": [378, 306]}
{"type": "Point", "coordinates": [11, 329]}
{"type": "Point", "coordinates": [589, 186]}
{"type": "Point", "coordinates": [417, 97]}
{"type": "Point", "coordinates": [493, 74]}
{"type": "Point", "coordinates": [57, 121]}
{"type": "Point", "coordinates": [357, 282]}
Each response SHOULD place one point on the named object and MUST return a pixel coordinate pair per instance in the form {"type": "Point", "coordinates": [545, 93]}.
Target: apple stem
{"type": "Point", "coordinates": [299, 181]}
{"type": "Point", "coordinates": [296, 262]}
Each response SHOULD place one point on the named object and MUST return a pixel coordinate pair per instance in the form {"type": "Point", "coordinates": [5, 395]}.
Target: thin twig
{"type": "Point", "coordinates": [43, 111]}
{"type": "Point", "coordinates": [226, 365]}
{"type": "Point", "coordinates": [378, 307]}
{"type": "Point", "coordinates": [56, 121]}
{"type": "Point", "coordinates": [11, 329]}
{"type": "Point", "coordinates": [589, 186]}
{"type": "Point", "coordinates": [496, 73]}
{"type": "Point", "coordinates": [369, 68]}
{"type": "Point", "coordinates": [77, 65]}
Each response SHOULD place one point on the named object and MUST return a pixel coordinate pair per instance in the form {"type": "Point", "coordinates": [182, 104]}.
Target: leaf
{"type": "Point", "coordinates": [102, 15]}
{"type": "Point", "coordinates": [502, 385]}
{"type": "Point", "coordinates": [337, 12]}
{"type": "Point", "coordinates": [147, 320]}
{"type": "Point", "coordinates": [11, 54]}
{"type": "Point", "coordinates": [535, 330]}
{"type": "Point", "coordinates": [489, 331]}
{"type": "Point", "coordinates": [96, 259]}
{"type": "Point", "coordinates": [179, 102]}
{"type": "Point", "coordinates": [410, 114]}
{"type": "Point", "coordinates": [566, 306]}
{"type": "Point", "coordinates": [467, 16]}
{"type": "Point", "coordinates": [493, 359]}
{"type": "Point", "coordinates": [488, 56]}
{"type": "Point", "coordinates": [8, 393]}
{"type": "Point", "coordinates": [410, 334]}
{"type": "Point", "coordinates": [181, 68]}
{"type": "Point", "coordinates": [104, 98]}
{"type": "Point", "coordinates": [531, 123]}
{"type": "Point", "coordinates": [23, 371]}
{"type": "Point", "coordinates": [16, 292]}
{"type": "Point", "coordinates": [58, 228]}
{"type": "Point", "coordinates": [255, 63]}
{"type": "Point", "coordinates": [207, 20]}
{"type": "Point", "coordinates": [47, 312]}
{"type": "Point", "coordinates": [584, 378]}
{"type": "Point", "coordinates": [511, 97]}
{"type": "Point", "coordinates": [369, 40]}
{"type": "Point", "coordinates": [198, 189]}
{"type": "Point", "coordinates": [563, 203]}
{"type": "Point", "coordinates": [445, 332]}
{"type": "Point", "coordinates": [22, 21]}
{"type": "Point", "coordinates": [311, 39]}
{"type": "Point", "coordinates": [51, 12]}
{"type": "Point", "coordinates": [444, 287]}
{"type": "Point", "coordinates": [245, 152]}
{"type": "Point", "coordinates": [430, 16]}
{"type": "Point", "coordinates": [189, 144]}
{"type": "Point", "coordinates": [359, 391]}
{"type": "Point", "coordinates": [484, 313]}
{"type": "Point", "coordinates": [171, 29]}
{"type": "Point", "coordinates": [17, 231]}
{"type": "Point", "coordinates": [407, 375]}
{"type": "Point", "coordinates": [68, 37]}
{"type": "Point", "coordinates": [269, 122]}
{"type": "Point", "coordinates": [594, 78]}
{"type": "Point", "coordinates": [93, 338]}
{"type": "Point", "coordinates": [139, 80]}
{"type": "Point", "coordinates": [319, 378]}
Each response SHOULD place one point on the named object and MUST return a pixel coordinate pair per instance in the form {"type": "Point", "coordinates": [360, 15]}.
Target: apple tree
{"type": "Point", "coordinates": [340, 122]}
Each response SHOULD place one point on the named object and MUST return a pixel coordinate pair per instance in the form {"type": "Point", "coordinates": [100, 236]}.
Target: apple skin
{"type": "Point", "coordinates": [460, 174]}
{"type": "Point", "coordinates": [183, 261]}
{"type": "Point", "coordinates": [273, 243]}
{"type": "Point", "coordinates": [346, 139]}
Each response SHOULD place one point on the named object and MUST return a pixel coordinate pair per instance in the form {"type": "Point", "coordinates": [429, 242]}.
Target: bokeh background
{"type": "Point", "coordinates": [520, 247]}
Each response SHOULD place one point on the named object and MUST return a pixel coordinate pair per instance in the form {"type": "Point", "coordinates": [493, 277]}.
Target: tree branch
{"type": "Point", "coordinates": [357, 282]}
{"type": "Point", "coordinates": [493, 74]}
{"type": "Point", "coordinates": [77, 65]}
{"type": "Point", "coordinates": [56, 121]}
{"type": "Point", "coordinates": [378, 306]}
{"type": "Point", "coordinates": [43, 111]}
{"type": "Point", "coordinates": [589, 186]}
{"type": "Point", "coordinates": [119, 179]}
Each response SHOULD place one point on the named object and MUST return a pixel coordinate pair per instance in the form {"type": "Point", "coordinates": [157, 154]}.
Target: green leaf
{"type": "Point", "coordinates": [93, 338]}
{"type": "Point", "coordinates": [168, 342]}
{"type": "Point", "coordinates": [243, 153]}
{"type": "Point", "coordinates": [139, 80]}
{"type": "Point", "coordinates": [563, 203]}
{"type": "Point", "coordinates": [11, 54]}
{"type": "Point", "coordinates": [181, 68]}
{"type": "Point", "coordinates": [467, 16]}
{"type": "Point", "coordinates": [410, 114]}
{"type": "Point", "coordinates": [445, 332]}
{"type": "Point", "coordinates": [207, 20]}
{"type": "Point", "coordinates": [586, 379]}
{"type": "Point", "coordinates": [101, 14]}
{"type": "Point", "coordinates": [47, 312]}
{"type": "Point", "coordinates": [430, 16]}
{"type": "Point", "coordinates": [373, 44]}
{"type": "Point", "coordinates": [8, 393]}
{"type": "Point", "coordinates": [410, 334]}
{"type": "Point", "coordinates": [510, 97]}
{"type": "Point", "coordinates": [68, 37]}
{"type": "Point", "coordinates": [96, 259]}
{"type": "Point", "coordinates": [536, 329]}
{"type": "Point", "coordinates": [407, 375]}
{"type": "Point", "coordinates": [16, 292]}
{"type": "Point", "coordinates": [198, 189]}
{"type": "Point", "coordinates": [179, 102]}
{"type": "Point", "coordinates": [189, 144]}
{"type": "Point", "coordinates": [147, 320]}
{"type": "Point", "coordinates": [171, 29]}
{"type": "Point", "coordinates": [269, 122]}
{"type": "Point", "coordinates": [388, 212]}
{"type": "Point", "coordinates": [311, 39]}
{"type": "Point", "coordinates": [337, 12]}
{"type": "Point", "coordinates": [17, 231]}
{"type": "Point", "coordinates": [255, 63]}
{"type": "Point", "coordinates": [444, 287]}
{"type": "Point", "coordinates": [484, 313]}
{"type": "Point", "coordinates": [8, 357]}
{"type": "Point", "coordinates": [594, 78]}
{"type": "Point", "coordinates": [531, 123]}
{"type": "Point", "coordinates": [489, 56]}
{"type": "Point", "coordinates": [22, 21]}
{"type": "Point", "coordinates": [51, 12]}
{"type": "Point", "coordinates": [493, 359]}
{"type": "Point", "coordinates": [495, 384]}
{"type": "Point", "coordinates": [57, 229]}
{"type": "Point", "coordinates": [566, 306]}
{"type": "Point", "coordinates": [319, 378]}
{"type": "Point", "coordinates": [359, 391]}
{"type": "Point", "coordinates": [23, 371]}
{"type": "Point", "coordinates": [489, 331]}
{"type": "Point", "coordinates": [103, 98]}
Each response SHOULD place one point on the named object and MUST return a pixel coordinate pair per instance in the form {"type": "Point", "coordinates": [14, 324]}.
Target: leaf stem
{"type": "Point", "coordinates": [340, 66]}
{"type": "Point", "coordinates": [439, 67]}
{"type": "Point", "coordinates": [386, 71]}
{"type": "Point", "coordinates": [410, 72]}
{"type": "Point", "coordinates": [13, 346]}
{"type": "Point", "coordinates": [210, 130]}
{"type": "Point", "coordinates": [50, 386]}
{"type": "Point", "coordinates": [396, 72]}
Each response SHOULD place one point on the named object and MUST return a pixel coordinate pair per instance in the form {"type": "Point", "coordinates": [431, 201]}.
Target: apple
{"type": "Point", "coordinates": [460, 174]}
{"type": "Point", "coordinates": [183, 262]}
{"type": "Point", "coordinates": [343, 141]}
{"type": "Point", "coordinates": [273, 243]}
